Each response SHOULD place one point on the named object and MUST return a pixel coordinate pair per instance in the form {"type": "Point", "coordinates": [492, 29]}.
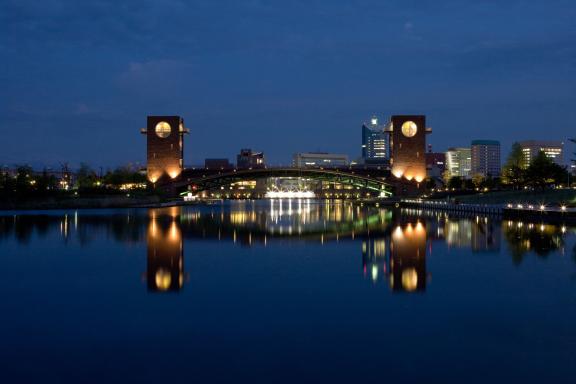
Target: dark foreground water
{"type": "Point", "coordinates": [284, 292]}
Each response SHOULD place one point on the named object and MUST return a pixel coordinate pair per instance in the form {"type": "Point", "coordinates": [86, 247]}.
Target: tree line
{"type": "Point", "coordinates": [540, 173]}
{"type": "Point", "coordinates": [24, 182]}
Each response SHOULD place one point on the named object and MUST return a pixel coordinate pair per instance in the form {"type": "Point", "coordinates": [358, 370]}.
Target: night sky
{"type": "Point", "coordinates": [79, 77]}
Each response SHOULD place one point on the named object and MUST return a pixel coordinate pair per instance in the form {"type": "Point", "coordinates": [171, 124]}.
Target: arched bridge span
{"type": "Point", "coordinates": [203, 180]}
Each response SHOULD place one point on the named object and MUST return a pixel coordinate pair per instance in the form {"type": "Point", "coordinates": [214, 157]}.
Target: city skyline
{"type": "Point", "coordinates": [79, 77]}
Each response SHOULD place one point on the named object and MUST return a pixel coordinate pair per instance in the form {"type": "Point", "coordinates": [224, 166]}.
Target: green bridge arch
{"type": "Point", "coordinates": [214, 181]}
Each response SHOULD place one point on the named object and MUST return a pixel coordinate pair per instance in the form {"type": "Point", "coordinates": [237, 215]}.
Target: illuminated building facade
{"type": "Point", "coordinates": [552, 149]}
{"type": "Point", "coordinates": [375, 140]}
{"type": "Point", "coordinates": [485, 158]}
{"type": "Point", "coordinates": [165, 147]}
{"type": "Point", "coordinates": [408, 147]}
{"type": "Point", "coordinates": [459, 162]}
{"type": "Point", "coordinates": [165, 254]}
{"type": "Point", "coordinates": [319, 159]}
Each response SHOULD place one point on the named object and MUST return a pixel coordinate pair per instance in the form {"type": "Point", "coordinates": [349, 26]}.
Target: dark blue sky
{"type": "Point", "coordinates": [79, 77]}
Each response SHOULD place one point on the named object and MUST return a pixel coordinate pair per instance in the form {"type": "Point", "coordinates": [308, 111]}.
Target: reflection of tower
{"type": "Point", "coordinates": [165, 261]}
{"type": "Point", "coordinates": [165, 147]}
{"type": "Point", "coordinates": [408, 258]}
{"type": "Point", "coordinates": [374, 257]}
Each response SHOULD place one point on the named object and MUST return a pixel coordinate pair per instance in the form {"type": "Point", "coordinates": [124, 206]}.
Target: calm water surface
{"type": "Point", "coordinates": [272, 291]}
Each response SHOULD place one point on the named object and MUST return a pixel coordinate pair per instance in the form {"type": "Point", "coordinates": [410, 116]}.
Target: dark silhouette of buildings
{"type": "Point", "coordinates": [218, 164]}
{"type": "Point", "coordinates": [249, 159]}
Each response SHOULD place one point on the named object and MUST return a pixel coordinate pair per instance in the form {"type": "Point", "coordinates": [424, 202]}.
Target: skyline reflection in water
{"type": "Point", "coordinates": [284, 291]}
{"type": "Point", "coordinates": [393, 244]}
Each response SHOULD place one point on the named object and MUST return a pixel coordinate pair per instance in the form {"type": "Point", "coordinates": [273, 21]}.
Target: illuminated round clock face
{"type": "Point", "coordinates": [409, 128]}
{"type": "Point", "coordinates": [163, 129]}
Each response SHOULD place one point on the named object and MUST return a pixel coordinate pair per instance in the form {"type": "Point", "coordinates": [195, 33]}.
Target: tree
{"type": "Point", "coordinates": [23, 178]}
{"type": "Point", "coordinates": [513, 171]}
{"type": "Point", "coordinates": [85, 177]}
{"type": "Point", "coordinates": [478, 180]}
{"type": "Point", "coordinates": [446, 176]}
{"type": "Point", "coordinates": [46, 182]}
{"type": "Point", "coordinates": [543, 171]}
{"type": "Point", "coordinates": [455, 182]}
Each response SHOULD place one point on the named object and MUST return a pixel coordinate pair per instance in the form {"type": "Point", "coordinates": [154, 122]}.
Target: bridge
{"type": "Point", "coordinates": [199, 180]}
{"type": "Point", "coordinates": [165, 162]}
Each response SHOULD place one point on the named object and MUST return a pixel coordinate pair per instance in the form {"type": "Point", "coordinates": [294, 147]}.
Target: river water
{"type": "Point", "coordinates": [284, 291]}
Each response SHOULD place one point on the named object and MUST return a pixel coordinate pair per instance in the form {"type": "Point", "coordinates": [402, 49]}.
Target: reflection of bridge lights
{"type": "Point", "coordinates": [290, 195]}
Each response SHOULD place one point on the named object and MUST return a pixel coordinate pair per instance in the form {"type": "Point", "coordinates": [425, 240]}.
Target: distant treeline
{"type": "Point", "coordinates": [25, 183]}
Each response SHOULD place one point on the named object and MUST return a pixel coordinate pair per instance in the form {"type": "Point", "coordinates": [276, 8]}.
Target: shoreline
{"type": "Point", "coordinates": [497, 211]}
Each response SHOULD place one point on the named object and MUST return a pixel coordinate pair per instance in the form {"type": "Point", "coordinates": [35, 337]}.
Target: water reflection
{"type": "Point", "coordinates": [408, 257]}
{"type": "Point", "coordinates": [393, 244]}
{"type": "Point", "coordinates": [165, 251]}
{"type": "Point", "coordinates": [542, 239]}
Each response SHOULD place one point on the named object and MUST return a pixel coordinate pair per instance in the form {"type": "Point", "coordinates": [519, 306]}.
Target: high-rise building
{"type": "Point", "coordinates": [552, 149]}
{"type": "Point", "coordinates": [248, 159]}
{"type": "Point", "coordinates": [375, 143]}
{"type": "Point", "coordinates": [485, 156]}
{"type": "Point", "coordinates": [459, 162]}
{"type": "Point", "coordinates": [319, 159]}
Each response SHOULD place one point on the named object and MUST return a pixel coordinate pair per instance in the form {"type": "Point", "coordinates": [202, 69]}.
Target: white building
{"type": "Point", "coordinates": [459, 162]}
{"type": "Point", "coordinates": [552, 149]}
{"type": "Point", "coordinates": [319, 159]}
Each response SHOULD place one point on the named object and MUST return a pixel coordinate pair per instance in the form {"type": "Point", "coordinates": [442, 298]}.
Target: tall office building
{"type": "Point", "coordinates": [375, 143]}
{"type": "Point", "coordinates": [552, 149]}
{"type": "Point", "coordinates": [459, 162]}
{"type": "Point", "coordinates": [319, 159]}
{"type": "Point", "coordinates": [485, 156]}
